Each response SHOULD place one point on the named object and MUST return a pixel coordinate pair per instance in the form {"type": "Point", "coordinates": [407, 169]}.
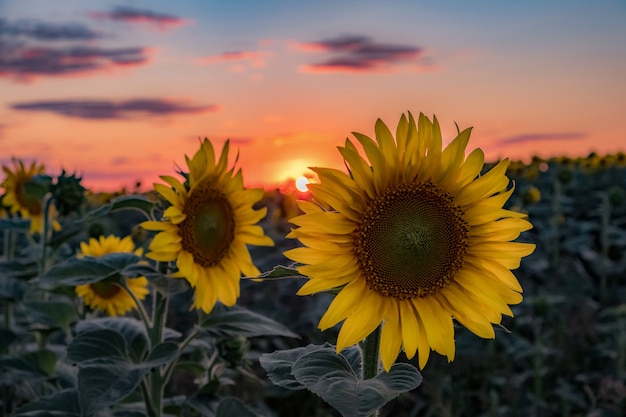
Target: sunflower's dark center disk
{"type": "Point", "coordinates": [411, 241]}
{"type": "Point", "coordinates": [209, 226]}
{"type": "Point", "coordinates": [105, 289]}
{"type": "Point", "coordinates": [31, 202]}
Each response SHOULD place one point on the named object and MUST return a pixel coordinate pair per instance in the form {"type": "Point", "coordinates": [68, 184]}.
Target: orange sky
{"type": "Point", "coordinates": [121, 94]}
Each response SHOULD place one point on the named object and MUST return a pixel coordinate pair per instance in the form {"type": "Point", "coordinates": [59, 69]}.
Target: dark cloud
{"type": "Point", "coordinates": [42, 31]}
{"type": "Point", "coordinates": [359, 53]}
{"type": "Point", "coordinates": [541, 137]}
{"type": "Point", "coordinates": [107, 110]}
{"type": "Point", "coordinates": [133, 15]}
{"type": "Point", "coordinates": [340, 43]}
{"type": "Point", "coordinates": [26, 62]}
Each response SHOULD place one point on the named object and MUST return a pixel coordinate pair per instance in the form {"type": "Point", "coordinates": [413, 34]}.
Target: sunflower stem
{"type": "Point", "coordinates": [140, 308]}
{"type": "Point", "coordinates": [369, 348]}
{"type": "Point", "coordinates": [146, 398]}
{"type": "Point", "coordinates": [170, 366]}
{"type": "Point", "coordinates": [369, 352]}
{"type": "Point", "coordinates": [159, 314]}
{"type": "Point", "coordinates": [47, 203]}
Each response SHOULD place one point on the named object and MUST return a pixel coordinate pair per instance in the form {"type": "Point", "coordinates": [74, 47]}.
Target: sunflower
{"type": "Point", "coordinates": [207, 227]}
{"type": "Point", "coordinates": [107, 295]}
{"type": "Point", "coordinates": [413, 237]}
{"type": "Point", "coordinates": [17, 198]}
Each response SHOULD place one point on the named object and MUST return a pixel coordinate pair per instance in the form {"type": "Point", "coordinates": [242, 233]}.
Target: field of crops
{"type": "Point", "coordinates": [563, 354]}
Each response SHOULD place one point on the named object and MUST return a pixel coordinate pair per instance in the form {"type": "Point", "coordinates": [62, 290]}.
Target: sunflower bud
{"type": "Point", "coordinates": [68, 193]}
{"type": "Point", "coordinates": [233, 350]}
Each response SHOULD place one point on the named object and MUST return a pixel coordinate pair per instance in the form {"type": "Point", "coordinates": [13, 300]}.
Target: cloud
{"type": "Point", "coordinates": [42, 31]}
{"type": "Point", "coordinates": [357, 53]}
{"type": "Point", "coordinates": [27, 62]}
{"type": "Point", "coordinates": [230, 56]}
{"type": "Point", "coordinates": [107, 110]}
{"type": "Point", "coordinates": [541, 137]}
{"type": "Point", "coordinates": [133, 15]}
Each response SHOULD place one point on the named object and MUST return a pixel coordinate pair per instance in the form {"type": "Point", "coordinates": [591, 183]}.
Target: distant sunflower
{"type": "Point", "coordinates": [107, 296]}
{"type": "Point", "coordinates": [17, 198]}
{"type": "Point", "coordinates": [413, 237]}
{"type": "Point", "coordinates": [207, 228]}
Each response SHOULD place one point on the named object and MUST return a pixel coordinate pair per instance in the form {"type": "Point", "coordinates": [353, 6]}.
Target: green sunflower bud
{"type": "Point", "coordinates": [68, 193]}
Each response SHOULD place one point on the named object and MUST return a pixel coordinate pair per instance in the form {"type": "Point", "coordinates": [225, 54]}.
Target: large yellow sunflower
{"type": "Point", "coordinates": [413, 238]}
{"type": "Point", "coordinates": [106, 295]}
{"type": "Point", "coordinates": [16, 197]}
{"type": "Point", "coordinates": [208, 226]}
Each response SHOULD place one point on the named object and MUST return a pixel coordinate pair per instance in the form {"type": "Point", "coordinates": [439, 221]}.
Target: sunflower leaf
{"type": "Point", "coordinates": [162, 354]}
{"type": "Point", "coordinates": [133, 202]}
{"type": "Point", "coordinates": [331, 377]}
{"type": "Point", "coordinates": [102, 346]}
{"type": "Point", "coordinates": [131, 329]}
{"type": "Point", "coordinates": [37, 364]}
{"type": "Point", "coordinates": [103, 385]}
{"type": "Point", "coordinates": [230, 406]}
{"type": "Point", "coordinates": [87, 270]}
{"type": "Point", "coordinates": [239, 321]}
{"type": "Point", "coordinates": [62, 404]}
{"type": "Point", "coordinates": [54, 314]}
{"type": "Point", "coordinates": [278, 364]}
{"type": "Point", "coordinates": [281, 272]}
{"type": "Point", "coordinates": [163, 284]}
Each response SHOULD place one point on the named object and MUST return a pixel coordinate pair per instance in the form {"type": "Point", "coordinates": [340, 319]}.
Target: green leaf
{"type": "Point", "coordinates": [331, 377]}
{"type": "Point", "coordinates": [87, 270]}
{"type": "Point", "coordinates": [239, 321]}
{"type": "Point", "coordinates": [132, 202]}
{"type": "Point", "coordinates": [163, 284]}
{"type": "Point", "coordinates": [36, 364]}
{"type": "Point", "coordinates": [162, 354]}
{"type": "Point", "coordinates": [12, 288]}
{"type": "Point", "coordinates": [43, 359]}
{"type": "Point", "coordinates": [103, 385]}
{"type": "Point", "coordinates": [101, 346]}
{"type": "Point", "coordinates": [278, 365]}
{"type": "Point", "coordinates": [61, 404]}
{"type": "Point", "coordinates": [230, 407]}
{"type": "Point", "coordinates": [281, 272]}
{"type": "Point", "coordinates": [54, 314]}
{"type": "Point", "coordinates": [133, 331]}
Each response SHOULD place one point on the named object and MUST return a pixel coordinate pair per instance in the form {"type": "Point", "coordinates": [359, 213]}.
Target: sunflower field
{"type": "Point", "coordinates": [417, 282]}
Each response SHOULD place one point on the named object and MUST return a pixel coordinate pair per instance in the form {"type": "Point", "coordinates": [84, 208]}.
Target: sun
{"type": "Point", "coordinates": [301, 184]}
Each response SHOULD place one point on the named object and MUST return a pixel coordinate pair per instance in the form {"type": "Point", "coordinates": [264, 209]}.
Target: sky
{"type": "Point", "coordinates": [120, 91]}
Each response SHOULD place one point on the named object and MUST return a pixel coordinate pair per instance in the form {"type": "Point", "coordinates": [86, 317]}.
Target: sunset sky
{"type": "Point", "coordinates": [120, 91]}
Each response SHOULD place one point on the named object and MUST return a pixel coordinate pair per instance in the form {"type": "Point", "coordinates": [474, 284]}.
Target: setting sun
{"type": "Point", "coordinates": [301, 183]}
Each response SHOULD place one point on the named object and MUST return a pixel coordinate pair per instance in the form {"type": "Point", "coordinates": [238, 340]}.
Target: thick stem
{"type": "Point", "coordinates": [47, 203]}
{"type": "Point", "coordinates": [170, 366]}
{"type": "Point", "coordinates": [370, 347]}
{"type": "Point", "coordinates": [140, 308]}
{"type": "Point", "coordinates": [146, 398]}
{"type": "Point", "coordinates": [159, 314]}
{"type": "Point", "coordinates": [370, 350]}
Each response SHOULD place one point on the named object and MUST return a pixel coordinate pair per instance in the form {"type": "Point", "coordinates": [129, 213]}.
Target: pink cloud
{"type": "Point", "coordinates": [133, 15]}
{"type": "Point", "coordinates": [359, 54]}
{"type": "Point", "coordinates": [26, 63]}
{"type": "Point", "coordinates": [255, 58]}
